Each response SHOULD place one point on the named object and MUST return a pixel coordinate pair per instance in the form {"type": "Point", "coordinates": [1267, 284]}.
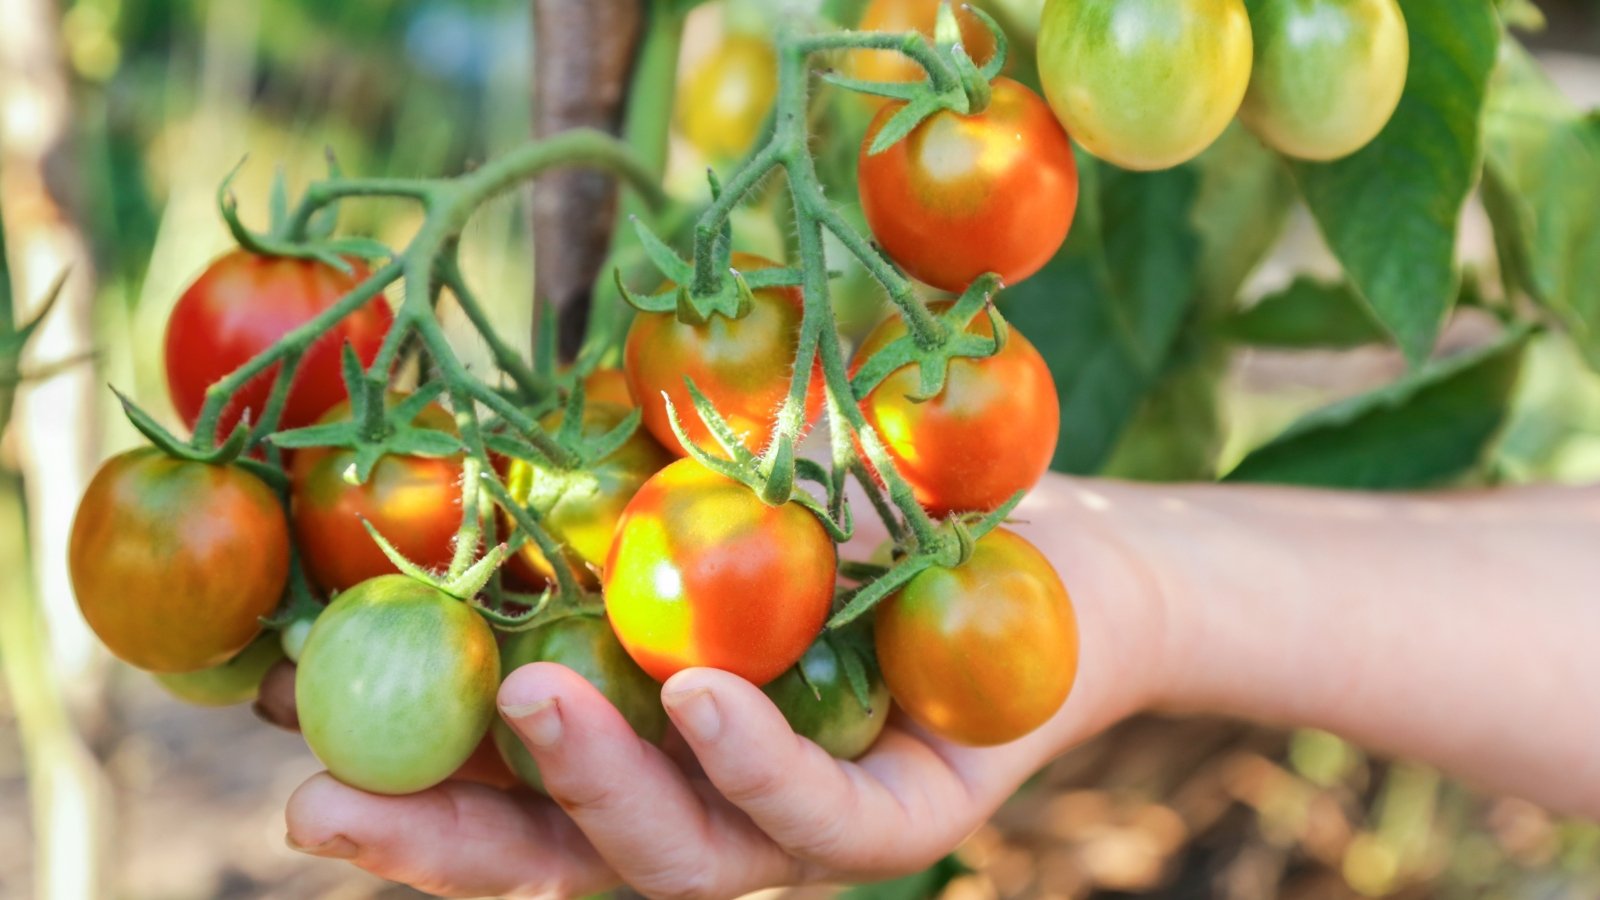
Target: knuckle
{"type": "Point", "coordinates": [761, 782]}
{"type": "Point", "coordinates": [688, 883]}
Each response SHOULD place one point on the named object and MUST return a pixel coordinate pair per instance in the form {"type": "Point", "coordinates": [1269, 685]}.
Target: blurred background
{"type": "Point", "coordinates": [118, 118]}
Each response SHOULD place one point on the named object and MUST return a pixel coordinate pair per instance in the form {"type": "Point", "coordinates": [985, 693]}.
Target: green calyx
{"type": "Point", "coordinates": [310, 237]}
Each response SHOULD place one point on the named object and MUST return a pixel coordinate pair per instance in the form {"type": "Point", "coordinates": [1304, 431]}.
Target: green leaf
{"type": "Point", "coordinates": [1390, 211]}
{"type": "Point", "coordinates": [1307, 313]}
{"type": "Point", "coordinates": [1423, 430]}
{"type": "Point", "coordinates": [1105, 311]}
{"type": "Point", "coordinates": [1541, 188]}
{"type": "Point", "coordinates": [1177, 433]}
{"type": "Point", "coordinates": [1246, 195]}
{"type": "Point", "coordinates": [930, 882]}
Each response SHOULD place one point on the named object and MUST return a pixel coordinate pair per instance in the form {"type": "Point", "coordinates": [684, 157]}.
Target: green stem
{"type": "Point", "coordinates": [508, 359]}
{"type": "Point", "coordinates": [321, 193]}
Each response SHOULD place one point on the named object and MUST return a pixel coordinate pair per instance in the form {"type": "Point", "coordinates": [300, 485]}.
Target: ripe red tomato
{"type": "Point", "coordinates": [989, 434]}
{"type": "Point", "coordinates": [239, 306]}
{"type": "Point", "coordinates": [413, 501]}
{"type": "Point", "coordinates": [742, 365]}
{"type": "Point", "coordinates": [702, 573]}
{"type": "Point", "coordinates": [912, 15]}
{"type": "Point", "coordinates": [983, 653]}
{"type": "Point", "coordinates": [584, 518]}
{"type": "Point", "coordinates": [965, 195]}
{"type": "Point", "coordinates": [175, 562]}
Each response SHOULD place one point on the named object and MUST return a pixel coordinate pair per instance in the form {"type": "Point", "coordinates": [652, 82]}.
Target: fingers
{"type": "Point", "coordinates": [457, 839]}
{"type": "Point", "coordinates": [638, 810]}
{"type": "Point", "coordinates": [901, 807]}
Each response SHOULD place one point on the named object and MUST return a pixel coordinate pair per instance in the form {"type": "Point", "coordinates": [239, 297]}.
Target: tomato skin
{"type": "Point", "coordinates": [702, 573]}
{"type": "Point", "coordinates": [413, 501]}
{"type": "Point", "coordinates": [586, 645]}
{"type": "Point", "coordinates": [396, 685]}
{"type": "Point", "coordinates": [585, 517]}
{"type": "Point", "coordinates": [742, 365]}
{"type": "Point", "coordinates": [1328, 74]}
{"type": "Point", "coordinates": [235, 681]}
{"type": "Point", "coordinates": [175, 562]}
{"type": "Point", "coordinates": [983, 653]}
{"type": "Point", "coordinates": [989, 434]}
{"type": "Point", "coordinates": [911, 15]}
{"type": "Point", "coordinates": [832, 717]}
{"type": "Point", "coordinates": [1145, 84]}
{"type": "Point", "coordinates": [608, 385]}
{"type": "Point", "coordinates": [965, 195]}
{"type": "Point", "coordinates": [726, 98]}
{"type": "Point", "coordinates": [241, 304]}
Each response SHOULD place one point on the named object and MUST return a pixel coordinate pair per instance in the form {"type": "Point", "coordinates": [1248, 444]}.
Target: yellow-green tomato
{"type": "Point", "coordinates": [1328, 74]}
{"type": "Point", "coordinates": [1145, 84]}
{"type": "Point", "coordinates": [586, 645]}
{"type": "Point", "coordinates": [724, 101]}
{"type": "Point", "coordinates": [816, 698]}
{"type": "Point", "coordinates": [235, 681]}
{"type": "Point", "coordinates": [396, 685]}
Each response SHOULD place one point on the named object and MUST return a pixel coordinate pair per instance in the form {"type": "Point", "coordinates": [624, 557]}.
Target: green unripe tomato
{"type": "Point", "coordinates": [816, 698]}
{"type": "Point", "coordinates": [1145, 84]}
{"type": "Point", "coordinates": [1328, 74]}
{"type": "Point", "coordinates": [396, 685]}
{"type": "Point", "coordinates": [235, 681]}
{"type": "Point", "coordinates": [586, 645]}
{"type": "Point", "coordinates": [293, 638]}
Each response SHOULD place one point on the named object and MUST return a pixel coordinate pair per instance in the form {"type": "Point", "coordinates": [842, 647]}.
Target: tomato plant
{"type": "Point", "coordinates": [965, 195]}
{"type": "Point", "coordinates": [581, 509]}
{"type": "Point", "coordinates": [174, 562]}
{"type": "Point", "coordinates": [985, 652]}
{"type": "Point", "coordinates": [703, 573]}
{"type": "Point", "coordinates": [586, 645]}
{"type": "Point", "coordinates": [413, 501]}
{"type": "Point", "coordinates": [742, 365]}
{"type": "Point", "coordinates": [1145, 84]}
{"type": "Point", "coordinates": [235, 681]}
{"type": "Point", "coordinates": [727, 97]}
{"type": "Point", "coordinates": [243, 303]}
{"type": "Point", "coordinates": [1327, 76]}
{"type": "Point", "coordinates": [912, 15]}
{"type": "Point", "coordinates": [990, 433]}
{"type": "Point", "coordinates": [816, 698]}
{"type": "Point", "coordinates": [396, 685]}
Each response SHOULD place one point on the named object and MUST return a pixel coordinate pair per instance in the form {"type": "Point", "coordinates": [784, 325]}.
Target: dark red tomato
{"type": "Point", "coordinates": [702, 573]}
{"type": "Point", "coordinates": [983, 653]}
{"type": "Point", "coordinates": [175, 562]}
{"type": "Point", "coordinates": [742, 365]}
{"type": "Point", "coordinates": [965, 195]}
{"type": "Point", "coordinates": [816, 699]}
{"type": "Point", "coordinates": [989, 434]}
{"type": "Point", "coordinates": [587, 504]}
{"type": "Point", "coordinates": [413, 501]}
{"type": "Point", "coordinates": [241, 305]}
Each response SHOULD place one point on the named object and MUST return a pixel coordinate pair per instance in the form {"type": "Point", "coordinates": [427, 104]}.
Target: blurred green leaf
{"type": "Point", "coordinates": [1425, 429]}
{"type": "Point", "coordinates": [1307, 313]}
{"type": "Point", "coordinates": [1246, 195]}
{"type": "Point", "coordinates": [1391, 210]}
{"type": "Point", "coordinates": [1105, 311]}
{"type": "Point", "coordinates": [1177, 433]}
{"type": "Point", "coordinates": [1541, 188]}
{"type": "Point", "coordinates": [920, 886]}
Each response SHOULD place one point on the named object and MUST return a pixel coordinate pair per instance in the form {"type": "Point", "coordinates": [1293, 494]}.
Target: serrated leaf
{"type": "Point", "coordinates": [1307, 313]}
{"type": "Point", "coordinates": [1424, 430]}
{"type": "Point", "coordinates": [1390, 211]}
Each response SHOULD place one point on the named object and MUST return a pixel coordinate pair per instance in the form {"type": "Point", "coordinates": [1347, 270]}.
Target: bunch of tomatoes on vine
{"type": "Point", "coordinates": [408, 532]}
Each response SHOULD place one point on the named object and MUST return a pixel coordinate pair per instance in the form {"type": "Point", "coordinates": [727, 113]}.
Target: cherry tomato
{"type": "Point", "coordinates": [912, 15]}
{"type": "Point", "coordinates": [965, 195]}
{"type": "Point", "coordinates": [742, 365]}
{"type": "Point", "coordinates": [702, 573]}
{"type": "Point", "coordinates": [235, 681]}
{"type": "Point", "coordinates": [1145, 84]}
{"type": "Point", "coordinates": [175, 562]}
{"type": "Point", "coordinates": [580, 509]}
{"type": "Point", "coordinates": [989, 434]}
{"type": "Point", "coordinates": [725, 99]}
{"type": "Point", "coordinates": [608, 385]}
{"type": "Point", "coordinates": [585, 645]}
{"type": "Point", "coordinates": [243, 303]}
{"type": "Point", "coordinates": [413, 501]}
{"type": "Point", "coordinates": [983, 653]}
{"type": "Point", "coordinates": [1328, 74]}
{"type": "Point", "coordinates": [396, 685]}
{"type": "Point", "coordinates": [814, 695]}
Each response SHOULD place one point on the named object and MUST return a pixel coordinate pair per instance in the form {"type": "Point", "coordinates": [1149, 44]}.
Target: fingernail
{"type": "Point", "coordinates": [695, 711]}
{"type": "Point", "coordinates": [539, 723]}
{"type": "Point", "coordinates": [336, 847]}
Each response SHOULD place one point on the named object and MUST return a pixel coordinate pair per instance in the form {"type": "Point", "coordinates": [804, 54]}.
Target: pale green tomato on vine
{"type": "Point", "coordinates": [1145, 84]}
{"type": "Point", "coordinates": [1328, 74]}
